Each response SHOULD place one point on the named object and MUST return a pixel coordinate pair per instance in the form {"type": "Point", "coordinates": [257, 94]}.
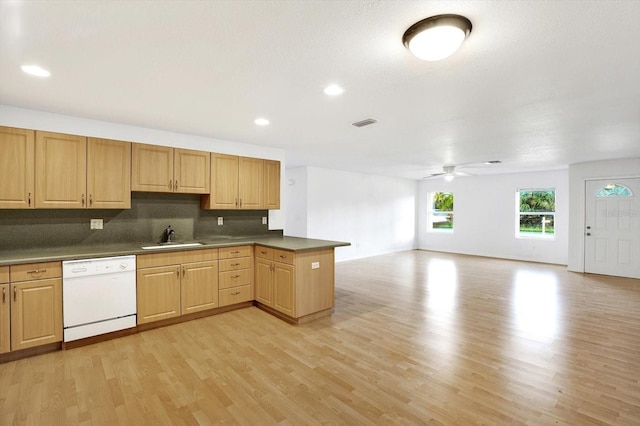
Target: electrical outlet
{"type": "Point", "coordinates": [264, 220]}
{"type": "Point", "coordinates": [315, 265]}
{"type": "Point", "coordinates": [220, 220]}
{"type": "Point", "coordinates": [96, 223]}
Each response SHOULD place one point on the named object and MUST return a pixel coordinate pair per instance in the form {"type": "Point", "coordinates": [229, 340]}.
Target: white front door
{"type": "Point", "coordinates": [612, 222]}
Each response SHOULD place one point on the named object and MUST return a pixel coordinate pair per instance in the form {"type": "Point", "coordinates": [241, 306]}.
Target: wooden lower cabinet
{"type": "Point", "coordinates": [298, 285]}
{"type": "Point", "coordinates": [177, 283]}
{"type": "Point", "coordinates": [158, 293]}
{"type": "Point", "coordinates": [275, 282]}
{"type": "Point", "coordinates": [5, 319]}
{"type": "Point", "coordinates": [235, 279]}
{"type": "Point", "coordinates": [36, 313]}
{"type": "Point", "coordinates": [30, 305]}
{"type": "Point", "coordinates": [264, 281]}
{"type": "Point", "coordinates": [283, 288]}
{"type": "Point", "coordinates": [198, 291]}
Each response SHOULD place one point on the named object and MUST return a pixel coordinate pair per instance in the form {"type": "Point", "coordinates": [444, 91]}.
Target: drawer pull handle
{"type": "Point", "coordinates": [282, 256]}
{"type": "Point", "coordinates": [235, 264]}
{"type": "Point", "coordinates": [235, 276]}
{"type": "Point", "coordinates": [37, 271]}
{"type": "Point", "coordinates": [235, 293]}
{"type": "Point", "coordinates": [235, 252]}
{"type": "Point", "coordinates": [263, 252]}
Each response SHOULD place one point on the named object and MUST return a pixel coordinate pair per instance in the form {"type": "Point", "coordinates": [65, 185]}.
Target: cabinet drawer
{"type": "Point", "coordinates": [235, 264]}
{"type": "Point", "coordinates": [233, 252]}
{"type": "Point", "coordinates": [284, 256]}
{"type": "Point", "coordinates": [4, 274]}
{"type": "Point", "coordinates": [35, 271]}
{"type": "Point", "coordinates": [235, 278]}
{"type": "Point", "coordinates": [175, 258]}
{"type": "Point", "coordinates": [230, 296]}
{"type": "Point", "coordinates": [264, 252]}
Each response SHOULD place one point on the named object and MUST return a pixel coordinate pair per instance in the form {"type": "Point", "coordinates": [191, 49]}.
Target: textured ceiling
{"type": "Point", "coordinates": [538, 84]}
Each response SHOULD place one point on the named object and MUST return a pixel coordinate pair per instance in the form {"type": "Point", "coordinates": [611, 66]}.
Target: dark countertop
{"type": "Point", "coordinates": [85, 252]}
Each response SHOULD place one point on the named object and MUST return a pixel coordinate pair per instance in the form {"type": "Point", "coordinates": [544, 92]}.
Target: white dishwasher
{"type": "Point", "coordinates": [98, 296]}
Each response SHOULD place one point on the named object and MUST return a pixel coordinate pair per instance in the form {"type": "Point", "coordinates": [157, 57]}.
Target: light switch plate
{"type": "Point", "coordinates": [315, 265]}
{"type": "Point", "coordinates": [97, 223]}
{"type": "Point", "coordinates": [220, 220]}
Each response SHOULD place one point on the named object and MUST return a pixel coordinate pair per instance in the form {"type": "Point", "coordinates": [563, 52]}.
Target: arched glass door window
{"type": "Point", "coordinates": [614, 190]}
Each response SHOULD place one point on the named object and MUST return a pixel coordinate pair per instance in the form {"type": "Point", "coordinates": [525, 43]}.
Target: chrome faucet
{"type": "Point", "coordinates": [168, 233]}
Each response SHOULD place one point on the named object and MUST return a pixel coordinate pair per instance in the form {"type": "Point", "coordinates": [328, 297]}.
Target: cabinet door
{"type": "Point", "coordinates": [224, 183]}
{"type": "Point", "coordinates": [108, 174]}
{"type": "Point", "coordinates": [264, 282]}
{"type": "Point", "coordinates": [271, 184]}
{"type": "Point", "coordinates": [191, 171]}
{"type": "Point", "coordinates": [151, 168]}
{"type": "Point", "coordinates": [199, 286]}
{"type": "Point", "coordinates": [5, 319]}
{"type": "Point", "coordinates": [61, 171]}
{"type": "Point", "coordinates": [283, 289]}
{"type": "Point", "coordinates": [17, 185]}
{"type": "Point", "coordinates": [158, 293]}
{"type": "Point", "coordinates": [36, 313]}
{"type": "Point", "coordinates": [250, 183]}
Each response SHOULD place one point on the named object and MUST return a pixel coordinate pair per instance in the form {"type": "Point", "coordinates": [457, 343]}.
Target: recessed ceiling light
{"type": "Point", "coordinates": [35, 70]}
{"type": "Point", "coordinates": [333, 90]}
{"type": "Point", "coordinates": [262, 121]}
{"type": "Point", "coordinates": [437, 37]}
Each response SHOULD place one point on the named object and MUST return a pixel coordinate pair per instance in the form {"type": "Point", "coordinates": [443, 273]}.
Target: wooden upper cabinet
{"type": "Point", "coordinates": [271, 184]}
{"type": "Point", "coordinates": [61, 176]}
{"type": "Point", "coordinates": [165, 169]}
{"type": "Point", "coordinates": [191, 171]}
{"type": "Point", "coordinates": [108, 174]}
{"type": "Point", "coordinates": [236, 183]}
{"type": "Point", "coordinates": [17, 185]}
{"type": "Point", "coordinates": [151, 168]}
{"type": "Point", "coordinates": [250, 183]}
{"type": "Point", "coordinates": [224, 183]}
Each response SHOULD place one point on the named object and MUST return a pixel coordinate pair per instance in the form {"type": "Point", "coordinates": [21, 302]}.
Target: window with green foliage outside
{"type": "Point", "coordinates": [441, 211]}
{"type": "Point", "coordinates": [536, 213]}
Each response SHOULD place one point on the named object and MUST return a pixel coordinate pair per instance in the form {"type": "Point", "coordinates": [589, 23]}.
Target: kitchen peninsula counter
{"type": "Point", "coordinates": [43, 254]}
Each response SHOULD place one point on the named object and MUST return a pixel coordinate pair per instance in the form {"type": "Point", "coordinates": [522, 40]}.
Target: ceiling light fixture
{"type": "Point", "coordinates": [449, 176]}
{"type": "Point", "coordinates": [437, 37]}
{"type": "Point", "coordinates": [35, 70]}
{"type": "Point", "coordinates": [333, 90]}
{"type": "Point", "coordinates": [262, 121]}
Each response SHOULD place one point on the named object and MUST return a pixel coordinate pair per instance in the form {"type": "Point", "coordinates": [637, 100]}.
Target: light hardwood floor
{"type": "Point", "coordinates": [416, 338]}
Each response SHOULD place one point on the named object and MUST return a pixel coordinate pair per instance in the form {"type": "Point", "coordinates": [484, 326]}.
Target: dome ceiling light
{"type": "Point", "coordinates": [437, 37]}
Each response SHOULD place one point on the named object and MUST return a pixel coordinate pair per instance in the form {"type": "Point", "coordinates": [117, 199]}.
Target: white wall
{"type": "Point", "coordinates": [376, 214]}
{"type": "Point", "coordinates": [578, 175]}
{"type": "Point", "coordinates": [295, 181]}
{"type": "Point", "coordinates": [485, 220]}
{"type": "Point", "coordinates": [38, 120]}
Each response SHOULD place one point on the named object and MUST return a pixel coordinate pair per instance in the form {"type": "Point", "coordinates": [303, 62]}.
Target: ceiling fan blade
{"type": "Point", "coordinates": [432, 175]}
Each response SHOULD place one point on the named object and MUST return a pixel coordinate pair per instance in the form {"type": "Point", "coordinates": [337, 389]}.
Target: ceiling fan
{"type": "Point", "coordinates": [449, 171]}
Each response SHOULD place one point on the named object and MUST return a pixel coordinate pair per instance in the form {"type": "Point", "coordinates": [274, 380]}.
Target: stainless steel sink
{"type": "Point", "coordinates": [170, 246]}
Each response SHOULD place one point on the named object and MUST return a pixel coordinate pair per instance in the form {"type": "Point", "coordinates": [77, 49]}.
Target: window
{"type": "Point", "coordinates": [613, 190]}
{"type": "Point", "coordinates": [441, 211]}
{"type": "Point", "coordinates": [536, 213]}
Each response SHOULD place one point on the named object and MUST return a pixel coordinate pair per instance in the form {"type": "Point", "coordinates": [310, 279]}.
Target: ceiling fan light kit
{"type": "Point", "coordinates": [437, 37]}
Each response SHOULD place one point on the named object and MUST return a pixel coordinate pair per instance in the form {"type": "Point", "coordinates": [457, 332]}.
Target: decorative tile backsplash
{"type": "Point", "coordinates": [149, 215]}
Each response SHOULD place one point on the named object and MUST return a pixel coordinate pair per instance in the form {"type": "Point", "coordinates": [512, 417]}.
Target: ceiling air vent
{"type": "Point", "coordinates": [364, 122]}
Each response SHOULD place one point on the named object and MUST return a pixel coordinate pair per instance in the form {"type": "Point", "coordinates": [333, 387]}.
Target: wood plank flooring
{"type": "Point", "coordinates": [416, 338]}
